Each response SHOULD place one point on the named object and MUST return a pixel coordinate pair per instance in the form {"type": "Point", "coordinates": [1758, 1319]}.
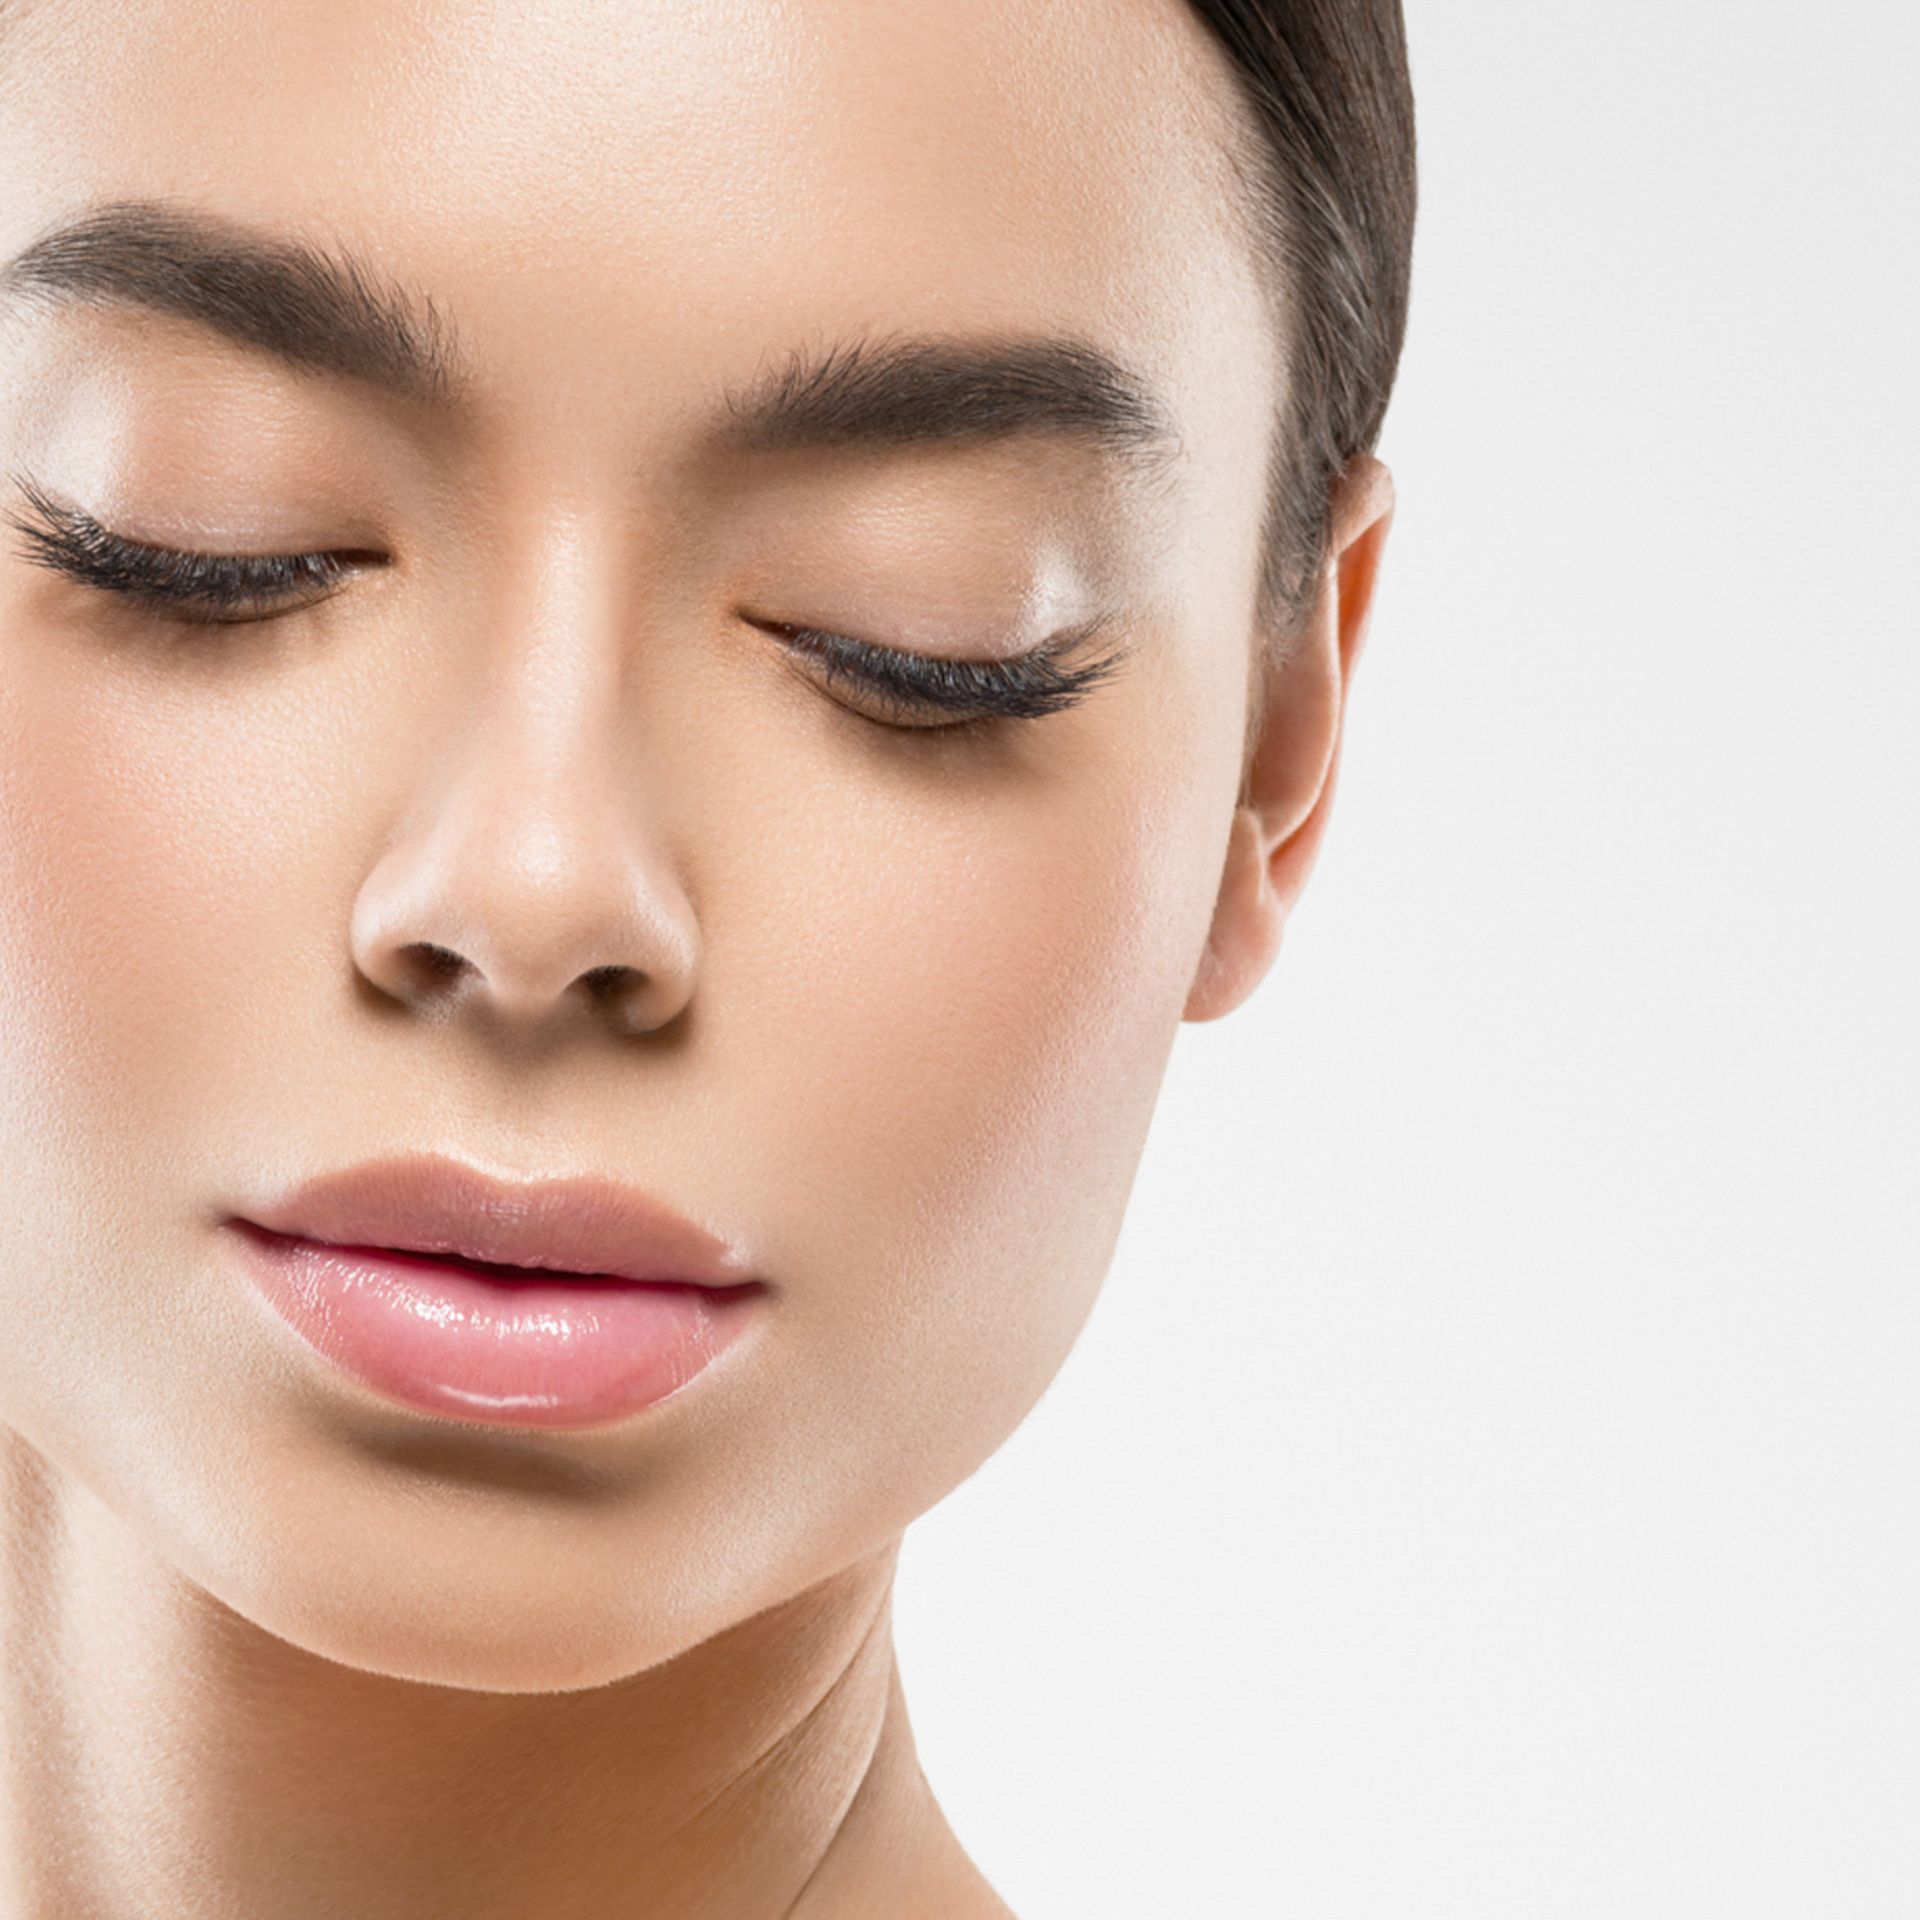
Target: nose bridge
{"type": "Point", "coordinates": [549, 650]}
{"type": "Point", "coordinates": [531, 871]}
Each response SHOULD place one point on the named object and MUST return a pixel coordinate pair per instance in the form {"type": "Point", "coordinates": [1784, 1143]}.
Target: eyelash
{"type": "Point", "coordinates": [218, 589]}
{"type": "Point", "coordinates": [199, 589]}
{"type": "Point", "coordinates": [1028, 686]}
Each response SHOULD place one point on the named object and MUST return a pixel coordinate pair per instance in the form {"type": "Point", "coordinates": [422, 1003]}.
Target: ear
{"type": "Point", "coordinates": [1281, 815]}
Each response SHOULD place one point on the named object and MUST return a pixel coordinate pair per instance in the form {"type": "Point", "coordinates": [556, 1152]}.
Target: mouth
{"type": "Point", "coordinates": [563, 1303]}
{"type": "Point", "coordinates": [430, 1259]}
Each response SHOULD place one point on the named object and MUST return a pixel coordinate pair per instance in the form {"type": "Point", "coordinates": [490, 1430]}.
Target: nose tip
{"type": "Point", "coordinates": [454, 926]}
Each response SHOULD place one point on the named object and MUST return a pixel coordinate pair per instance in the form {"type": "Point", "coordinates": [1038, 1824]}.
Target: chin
{"type": "Point", "coordinates": [457, 1607]}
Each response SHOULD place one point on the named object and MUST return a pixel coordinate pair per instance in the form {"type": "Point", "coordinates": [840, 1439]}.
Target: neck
{"type": "Point", "coordinates": [160, 1753]}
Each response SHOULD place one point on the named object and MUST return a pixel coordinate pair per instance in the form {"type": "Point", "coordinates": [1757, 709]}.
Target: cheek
{"type": "Point", "coordinates": [94, 860]}
{"type": "Point", "coordinates": [136, 840]}
{"type": "Point", "coordinates": [124, 869]}
{"type": "Point", "coordinates": [170, 997]}
{"type": "Point", "coordinates": [1009, 983]}
{"type": "Point", "coordinates": [956, 1021]}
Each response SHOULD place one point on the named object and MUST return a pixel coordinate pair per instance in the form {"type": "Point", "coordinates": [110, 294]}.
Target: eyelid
{"type": "Point", "coordinates": [70, 541]}
{"type": "Point", "coordinates": [182, 583]}
{"type": "Point", "coordinates": [1023, 686]}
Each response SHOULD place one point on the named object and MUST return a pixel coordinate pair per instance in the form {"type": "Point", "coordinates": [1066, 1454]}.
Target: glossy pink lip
{"type": "Point", "coordinates": [551, 1303]}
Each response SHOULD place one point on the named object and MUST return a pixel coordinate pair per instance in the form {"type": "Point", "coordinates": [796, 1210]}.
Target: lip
{"type": "Point", "coordinates": [554, 1302]}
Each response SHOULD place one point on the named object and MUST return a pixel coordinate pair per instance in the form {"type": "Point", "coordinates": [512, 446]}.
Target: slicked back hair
{"type": "Point", "coordinates": [1333, 190]}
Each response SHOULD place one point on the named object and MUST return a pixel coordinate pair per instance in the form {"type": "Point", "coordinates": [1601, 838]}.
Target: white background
{"type": "Point", "coordinates": [1488, 1483]}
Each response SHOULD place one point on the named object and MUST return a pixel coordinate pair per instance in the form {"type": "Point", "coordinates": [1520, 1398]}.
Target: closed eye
{"type": "Point", "coordinates": [891, 686]}
{"type": "Point", "coordinates": [200, 589]}
{"type": "Point", "coordinates": [921, 691]}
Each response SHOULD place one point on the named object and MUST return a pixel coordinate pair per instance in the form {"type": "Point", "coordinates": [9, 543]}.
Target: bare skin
{"type": "Point", "coordinates": [769, 1771]}
{"type": "Point", "coordinates": [273, 1647]}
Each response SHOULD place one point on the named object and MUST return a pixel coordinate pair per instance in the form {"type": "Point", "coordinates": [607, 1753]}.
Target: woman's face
{"type": "Point", "coordinates": [908, 994]}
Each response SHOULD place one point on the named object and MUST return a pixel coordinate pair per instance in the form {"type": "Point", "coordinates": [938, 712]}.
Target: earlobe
{"type": "Point", "coordinates": [1280, 820]}
{"type": "Point", "coordinates": [1247, 923]}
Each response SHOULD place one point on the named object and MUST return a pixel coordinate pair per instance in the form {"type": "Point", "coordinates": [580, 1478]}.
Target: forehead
{"type": "Point", "coordinates": [672, 189]}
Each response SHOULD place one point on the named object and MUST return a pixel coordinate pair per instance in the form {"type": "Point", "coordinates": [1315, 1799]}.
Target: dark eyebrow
{"type": "Point", "coordinates": [320, 310]}
{"type": "Point", "coordinates": [921, 389]}
{"type": "Point", "coordinates": [329, 312]}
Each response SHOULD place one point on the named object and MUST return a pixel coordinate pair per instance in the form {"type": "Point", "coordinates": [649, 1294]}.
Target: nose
{"type": "Point", "coordinates": [527, 915]}
{"type": "Point", "coordinates": [528, 883]}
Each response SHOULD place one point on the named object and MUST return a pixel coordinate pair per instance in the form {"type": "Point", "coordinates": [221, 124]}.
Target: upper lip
{"type": "Point", "coordinates": [428, 1203]}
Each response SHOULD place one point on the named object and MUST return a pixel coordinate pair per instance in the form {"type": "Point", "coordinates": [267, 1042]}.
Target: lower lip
{"type": "Point", "coordinates": [449, 1339]}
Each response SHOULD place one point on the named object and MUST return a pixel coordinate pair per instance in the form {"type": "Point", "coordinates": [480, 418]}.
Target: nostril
{"type": "Point", "coordinates": [434, 964]}
{"type": "Point", "coordinates": [624, 995]}
{"type": "Point", "coordinates": [429, 974]}
{"type": "Point", "coordinates": [604, 982]}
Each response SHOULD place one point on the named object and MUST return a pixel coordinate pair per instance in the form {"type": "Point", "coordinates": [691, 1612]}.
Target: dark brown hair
{"type": "Point", "coordinates": [1333, 198]}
